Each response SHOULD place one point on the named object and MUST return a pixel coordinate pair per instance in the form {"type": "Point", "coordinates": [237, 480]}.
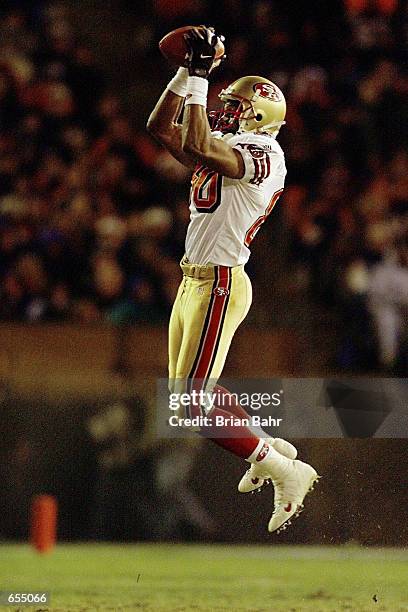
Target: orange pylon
{"type": "Point", "coordinates": [44, 510]}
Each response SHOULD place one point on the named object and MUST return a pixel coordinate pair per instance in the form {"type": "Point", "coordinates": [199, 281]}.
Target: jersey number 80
{"type": "Point", "coordinates": [206, 187]}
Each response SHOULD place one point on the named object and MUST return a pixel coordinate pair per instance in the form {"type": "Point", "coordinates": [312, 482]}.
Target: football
{"type": "Point", "coordinates": [174, 48]}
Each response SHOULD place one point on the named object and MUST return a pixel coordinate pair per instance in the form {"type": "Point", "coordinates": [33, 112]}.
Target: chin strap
{"type": "Point", "coordinates": [274, 124]}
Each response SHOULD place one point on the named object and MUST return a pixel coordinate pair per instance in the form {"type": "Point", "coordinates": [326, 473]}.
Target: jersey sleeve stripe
{"type": "Point", "coordinates": [268, 165]}
{"type": "Point", "coordinates": [258, 170]}
{"type": "Point", "coordinates": [262, 169]}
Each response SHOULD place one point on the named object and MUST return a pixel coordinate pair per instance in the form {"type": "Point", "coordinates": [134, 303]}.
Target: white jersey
{"type": "Point", "coordinates": [225, 213]}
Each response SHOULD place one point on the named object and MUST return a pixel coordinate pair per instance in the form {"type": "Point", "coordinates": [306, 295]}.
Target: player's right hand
{"type": "Point", "coordinates": [201, 43]}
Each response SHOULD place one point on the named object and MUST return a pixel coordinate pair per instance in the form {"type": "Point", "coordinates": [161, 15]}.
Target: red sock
{"type": "Point", "coordinates": [229, 403]}
{"type": "Point", "coordinates": [242, 442]}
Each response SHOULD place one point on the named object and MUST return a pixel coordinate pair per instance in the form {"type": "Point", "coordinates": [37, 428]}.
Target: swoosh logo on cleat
{"type": "Point", "coordinates": [288, 508]}
{"type": "Point", "coordinates": [254, 480]}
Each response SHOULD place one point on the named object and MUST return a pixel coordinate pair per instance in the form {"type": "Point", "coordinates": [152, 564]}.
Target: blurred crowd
{"type": "Point", "coordinates": [93, 212]}
{"type": "Point", "coordinates": [87, 232]}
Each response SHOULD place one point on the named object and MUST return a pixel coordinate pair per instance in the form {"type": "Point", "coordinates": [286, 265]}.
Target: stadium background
{"type": "Point", "coordinates": [92, 221]}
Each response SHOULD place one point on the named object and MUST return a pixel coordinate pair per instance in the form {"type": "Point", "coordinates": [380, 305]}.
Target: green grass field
{"type": "Point", "coordinates": [180, 578]}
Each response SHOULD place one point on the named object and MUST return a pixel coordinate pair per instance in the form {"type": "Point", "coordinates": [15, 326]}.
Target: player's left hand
{"type": "Point", "coordinates": [201, 43]}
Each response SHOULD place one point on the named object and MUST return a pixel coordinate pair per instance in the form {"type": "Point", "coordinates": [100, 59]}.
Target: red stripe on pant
{"type": "Point", "coordinates": [212, 331]}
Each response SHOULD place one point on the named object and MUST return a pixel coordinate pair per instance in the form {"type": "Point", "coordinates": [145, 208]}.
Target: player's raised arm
{"type": "Point", "coordinates": [162, 123]}
{"type": "Point", "coordinates": [197, 140]}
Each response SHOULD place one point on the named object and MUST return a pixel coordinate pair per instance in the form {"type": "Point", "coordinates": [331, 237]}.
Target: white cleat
{"type": "Point", "coordinates": [290, 491]}
{"type": "Point", "coordinates": [256, 478]}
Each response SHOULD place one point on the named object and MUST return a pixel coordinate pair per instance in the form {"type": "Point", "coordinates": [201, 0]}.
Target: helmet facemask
{"type": "Point", "coordinates": [227, 119]}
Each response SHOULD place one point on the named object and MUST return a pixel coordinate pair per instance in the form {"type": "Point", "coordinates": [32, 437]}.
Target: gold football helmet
{"type": "Point", "coordinates": [251, 104]}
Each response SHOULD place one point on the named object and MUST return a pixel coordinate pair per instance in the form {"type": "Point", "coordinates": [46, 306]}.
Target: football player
{"type": "Point", "coordinates": [238, 175]}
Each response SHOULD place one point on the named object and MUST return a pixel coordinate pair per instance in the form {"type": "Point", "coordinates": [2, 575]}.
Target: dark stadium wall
{"type": "Point", "coordinates": [61, 384]}
{"type": "Point", "coordinates": [70, 357]}
{"type": "Point", "coordinates": [48, 447]}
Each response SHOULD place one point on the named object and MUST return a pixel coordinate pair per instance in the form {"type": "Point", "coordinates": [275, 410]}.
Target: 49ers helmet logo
{"type": "Point", "coordinates": [221, 291]}
{"type": "Point", "coordinates": [268, 90]}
